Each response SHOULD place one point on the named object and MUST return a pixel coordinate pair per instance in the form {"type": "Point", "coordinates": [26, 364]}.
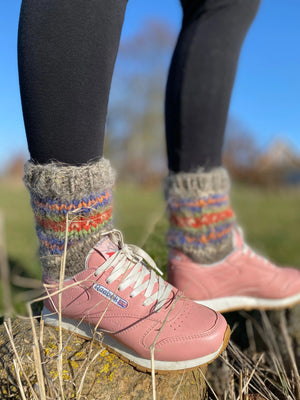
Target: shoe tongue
{"type": "Point", "coordinates": [101, 252]}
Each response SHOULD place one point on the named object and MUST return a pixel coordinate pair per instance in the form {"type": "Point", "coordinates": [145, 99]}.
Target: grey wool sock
{"type": "Point", "coordinates": [83, 194]}
{"type": "Point", "coordinates": [199, 212]}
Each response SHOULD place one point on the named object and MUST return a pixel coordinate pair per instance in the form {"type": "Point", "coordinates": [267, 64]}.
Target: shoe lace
{"type": "Point", "coordinates": [129, 261]}
{"type": "Point", "coordinates": [247, 250]}
{"type": "Point", "coordinates": [250, 252]}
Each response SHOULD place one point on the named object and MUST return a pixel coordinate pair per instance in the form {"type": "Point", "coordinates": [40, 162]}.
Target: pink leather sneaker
{"type": "Point", "coordinates": [242, 280]}
{"type": "Point", "coordinates": [120, 302]}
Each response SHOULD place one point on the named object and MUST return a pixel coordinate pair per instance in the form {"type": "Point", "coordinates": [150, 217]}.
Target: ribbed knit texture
{"type": "Point", "coordinates": [84, 193]}
{"type": "Point", "coordinates": [200, 216]}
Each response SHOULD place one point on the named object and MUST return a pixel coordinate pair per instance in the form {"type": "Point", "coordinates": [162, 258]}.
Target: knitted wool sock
{"type": "Point", "coordinates": [84, 193]}
{"type": "Point", "coordinates": [200, 216]}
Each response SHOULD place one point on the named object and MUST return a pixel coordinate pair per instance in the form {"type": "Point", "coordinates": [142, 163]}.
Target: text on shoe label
{"type": "Point", "coordinates": [110, 295]}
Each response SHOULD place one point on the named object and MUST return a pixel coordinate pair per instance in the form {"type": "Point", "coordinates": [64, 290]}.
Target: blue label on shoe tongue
{"type": "Point", "coordinates": [110, 295]}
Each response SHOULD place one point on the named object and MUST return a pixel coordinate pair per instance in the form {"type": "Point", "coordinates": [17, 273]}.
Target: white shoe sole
{"type": "Point", "coordinates": [88, 331]}
{"type": "Point", "coordinates": [235, 303]}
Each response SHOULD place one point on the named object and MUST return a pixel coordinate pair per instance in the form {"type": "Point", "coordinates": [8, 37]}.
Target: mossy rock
{"type": "Point", "coordinates": [104, 375]}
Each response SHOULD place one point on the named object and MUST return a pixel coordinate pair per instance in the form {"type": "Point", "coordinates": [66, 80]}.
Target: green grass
{"type": "Point", "coordinates": [271, 220]}
{"type": "Point", "coordinates": [136, 210]}
{"type": "Point", "coordinates": [21, 240]}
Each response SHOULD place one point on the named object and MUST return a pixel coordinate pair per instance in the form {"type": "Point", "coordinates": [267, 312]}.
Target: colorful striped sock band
{"type": "Point", "coordinates": [81, 196]}
{"type": "Point", "coordinates": [200, 215]}
{"type": "Point", "coordinates": [85, 217]}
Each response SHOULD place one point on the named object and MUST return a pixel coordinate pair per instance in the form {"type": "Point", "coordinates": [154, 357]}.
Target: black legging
{"type": "Point", "coordinates": [67, 51]}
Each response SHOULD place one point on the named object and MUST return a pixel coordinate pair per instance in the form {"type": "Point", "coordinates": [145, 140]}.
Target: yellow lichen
{"type": "Point", "coordinates": [80, 354]}
{"type": "Point", "coordinates": [105, 368]}
{"type": "Point", "coordinates": [104, 353]}
{"type": "Point", "coordinates": [111, 376]}
{"type": "Point", "coordinates": [65, 375]}
{"type": "Point", "coordinates": [73, 364]}
{"type": "Point", "coordinates": [53, 373]}
{"type": "Point", "coordinates": [52, 346]}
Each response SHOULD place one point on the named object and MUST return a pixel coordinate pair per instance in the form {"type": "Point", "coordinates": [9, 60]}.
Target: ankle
{"type": "Point", "coordinates": [71, 206]}
{"type": "Point", "coordinates": [201, 219]}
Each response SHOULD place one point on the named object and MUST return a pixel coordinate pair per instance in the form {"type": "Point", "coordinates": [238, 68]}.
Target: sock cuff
{"type": "Point", "coordinates": [58, 189]}
{"type": "Point", "coordinates": [68, 182]}
{"type": "Point", "coordinates": [197, 184]}
{"type": "Point", "coordinates": [200, 214]}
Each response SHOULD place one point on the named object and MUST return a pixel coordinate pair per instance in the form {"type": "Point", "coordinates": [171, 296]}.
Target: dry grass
{"type": "Point", "coordinates": [254, 374]}
{"type": "Point", "coordinates": [237, 375]}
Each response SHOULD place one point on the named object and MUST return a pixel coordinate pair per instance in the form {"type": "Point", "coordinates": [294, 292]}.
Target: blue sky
{"type": "Point", "coordinates": [266, 96]}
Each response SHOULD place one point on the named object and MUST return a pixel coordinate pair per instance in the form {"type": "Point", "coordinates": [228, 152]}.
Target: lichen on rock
{"type": "Point", "coordinates": [89, 371]}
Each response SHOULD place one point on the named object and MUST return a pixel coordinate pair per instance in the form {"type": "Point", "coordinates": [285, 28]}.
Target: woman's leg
{"type": "Point", "coordinates": [201, 78]}
{"type": "Point", "coordinates": [198, 93]}
{"type": "Point", "coordinates": [210, 261]}
{"type": "Point", "coordinates": [67, 50]}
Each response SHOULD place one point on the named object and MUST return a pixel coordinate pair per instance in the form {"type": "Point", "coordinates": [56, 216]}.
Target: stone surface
{"type": "Point", "coordinates": [104, 375]}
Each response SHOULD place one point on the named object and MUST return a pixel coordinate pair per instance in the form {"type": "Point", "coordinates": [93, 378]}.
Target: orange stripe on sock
{"type": "Point", "coordinates": [78, 224]}
{"type": "Point", "coordinates": [201, 202]}
{"type": "Point", "coordinates": [204, 220]}
{"type": "Point", "coordinates": [72, 207]}
{"type": "Point", "coordinates": [206, 239]}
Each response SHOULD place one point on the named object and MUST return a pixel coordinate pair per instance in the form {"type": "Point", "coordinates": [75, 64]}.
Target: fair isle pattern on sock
{"type": "Point", "coordinates": [200, 215]}
{"type": "Point", "coordinates": [84, 194]}
{"type": "Point", "coordinates": [90, 215]}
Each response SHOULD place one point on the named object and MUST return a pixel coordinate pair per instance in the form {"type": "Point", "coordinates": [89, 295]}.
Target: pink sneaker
{"type": "Point", "coordinates": [242, 280]}
{"type": "Point", "coordinates": [132, 308]}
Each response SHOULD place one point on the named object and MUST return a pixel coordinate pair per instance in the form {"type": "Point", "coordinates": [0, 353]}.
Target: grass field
{"type": "Point", "coordinates": [271, 220]}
